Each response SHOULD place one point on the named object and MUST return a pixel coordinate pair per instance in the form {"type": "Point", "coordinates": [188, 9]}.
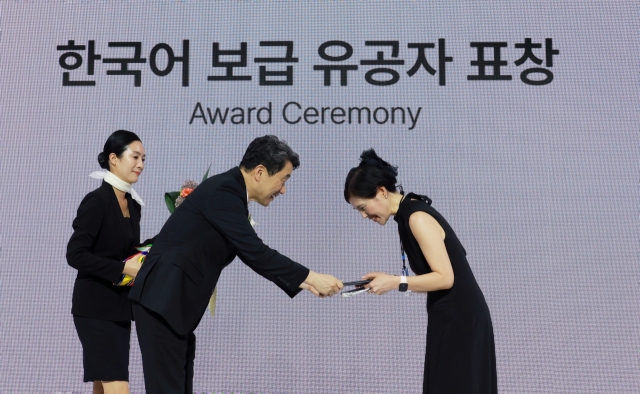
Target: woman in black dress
{"type": "Point", "coordinates": [106, 231]}
{"type": "Point", "coordinates": [460, 355]}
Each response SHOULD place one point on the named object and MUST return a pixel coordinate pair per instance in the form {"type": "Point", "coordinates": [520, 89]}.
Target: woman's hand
{"type": "Point", "coordinates": [132, 265]}
{"type": "Point", "coordinates": [381, 283]}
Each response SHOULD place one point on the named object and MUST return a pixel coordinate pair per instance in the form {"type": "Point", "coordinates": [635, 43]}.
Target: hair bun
{"type": "Point", "coordinates": [370, 157]}
{"type": "Point", "coordinates": [103, 161]}
{"type": "Point", "coordinates": [365, 180]}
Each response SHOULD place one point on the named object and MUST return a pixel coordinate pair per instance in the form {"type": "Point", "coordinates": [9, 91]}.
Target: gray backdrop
{"type": "Point", "coordinates": [539, 182]}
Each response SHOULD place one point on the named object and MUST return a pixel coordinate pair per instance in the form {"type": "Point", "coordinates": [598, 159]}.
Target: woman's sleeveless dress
{"type": "Point", "coordinates": [460, 356]}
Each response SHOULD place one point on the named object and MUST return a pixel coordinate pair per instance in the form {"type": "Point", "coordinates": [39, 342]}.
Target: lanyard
{"type": "Point", "coordinates": [405, 271]}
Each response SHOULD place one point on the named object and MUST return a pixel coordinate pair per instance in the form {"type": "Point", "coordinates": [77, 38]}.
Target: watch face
{"type": "Point", "coordinates": [403, 287]}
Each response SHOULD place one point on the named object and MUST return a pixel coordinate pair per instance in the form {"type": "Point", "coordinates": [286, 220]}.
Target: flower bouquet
{"type": "Point", "coordinates": [174, 199]}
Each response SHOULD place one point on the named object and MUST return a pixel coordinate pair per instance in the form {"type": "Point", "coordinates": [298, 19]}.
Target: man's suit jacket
{"type": "Point", "coordinates": [100, 242]}
{"type": "Point", "coordinates": [200, 238]}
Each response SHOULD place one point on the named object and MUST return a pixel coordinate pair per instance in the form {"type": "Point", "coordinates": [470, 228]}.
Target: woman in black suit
{"type": "Point", "coordinates": [106, 231]}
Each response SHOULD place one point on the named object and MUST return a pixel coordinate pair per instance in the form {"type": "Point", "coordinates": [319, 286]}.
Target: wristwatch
{"type": "Point", "coordinates": [404, 286]}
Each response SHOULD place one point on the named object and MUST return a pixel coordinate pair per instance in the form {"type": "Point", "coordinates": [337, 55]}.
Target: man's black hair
{"type": "Point", "coordinates": [271, 152]}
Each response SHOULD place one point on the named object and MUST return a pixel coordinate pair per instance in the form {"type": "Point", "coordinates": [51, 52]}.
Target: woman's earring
{"type": "Point", "coordinates": [386, 196]}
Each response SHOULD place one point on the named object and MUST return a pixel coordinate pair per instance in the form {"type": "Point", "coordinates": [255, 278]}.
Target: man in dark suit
{"type": "Point", "coordinates": [207, 231]}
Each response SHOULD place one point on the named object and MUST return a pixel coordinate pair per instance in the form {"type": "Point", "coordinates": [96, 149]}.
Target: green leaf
{"type": "Point", "coordinates": [206, 174]}
{"type": "Point", "coordinates": [170, 200]}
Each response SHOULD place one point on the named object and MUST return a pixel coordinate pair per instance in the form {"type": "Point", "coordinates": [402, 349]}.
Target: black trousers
{"type": "Point", "coordinates": [167, 358]}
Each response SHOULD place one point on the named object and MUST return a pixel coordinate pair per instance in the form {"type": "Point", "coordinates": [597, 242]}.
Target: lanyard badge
{"type": "Point", "coordinates": [405, 270]}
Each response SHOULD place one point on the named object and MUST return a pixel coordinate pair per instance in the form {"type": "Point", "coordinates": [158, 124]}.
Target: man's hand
{"type": "Point", "coordinates": [132, 265]}
{"type": "Point", "coordinates": [323, 284]}
{"type": "Point", "coordinates": [312, 289]}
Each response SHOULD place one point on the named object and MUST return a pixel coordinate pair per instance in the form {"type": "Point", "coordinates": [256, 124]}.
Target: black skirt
{"type": "Point", "coordinates": [105, 348]}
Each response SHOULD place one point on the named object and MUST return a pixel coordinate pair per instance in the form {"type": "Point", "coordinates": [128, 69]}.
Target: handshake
{"type": "Point", "coordinates": [322, 285]}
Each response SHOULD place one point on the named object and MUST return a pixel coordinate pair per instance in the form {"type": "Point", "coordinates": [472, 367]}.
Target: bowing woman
{"type": "Point", "coordinates": [106, 231]}
{"type": "Point", "coordinates": [460, 354]}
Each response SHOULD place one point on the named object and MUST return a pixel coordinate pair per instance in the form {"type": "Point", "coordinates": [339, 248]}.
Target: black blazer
{"type": "Point", "coordinates": [97, 248]}
{"type": "Point", "coordinates": [200, 238]}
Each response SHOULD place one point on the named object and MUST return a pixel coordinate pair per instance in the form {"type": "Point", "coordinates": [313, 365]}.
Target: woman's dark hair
{"type": "Point", "coordinates": [364, 180]}
{"type": "Point", "coordinates": [271, 152]}
{"type": "Point", "coordinates": [116, 143]}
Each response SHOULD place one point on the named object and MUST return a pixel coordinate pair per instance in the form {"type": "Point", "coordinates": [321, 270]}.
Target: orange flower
{"type": "Point", "coordinates": [185, 192]}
